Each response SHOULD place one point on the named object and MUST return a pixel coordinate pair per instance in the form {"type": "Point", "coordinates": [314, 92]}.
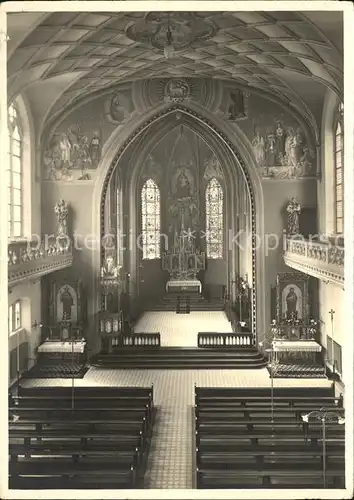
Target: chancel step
{"type": "Point", "coordinates": [192, 301]}
{"type": "Point", "coordinates": [181, 358]}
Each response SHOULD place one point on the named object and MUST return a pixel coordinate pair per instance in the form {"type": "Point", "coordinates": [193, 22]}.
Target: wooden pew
{"type": "Point", "coordinates": [106, 414]}
{"type": "Point", "coordinates": [260, 392]}
{"type": "Point", "coordinates": [99, 391]}
{"type": "Point", "coordinates": [118, 427]}
{"type": "Point", "coordinates": [52, 443]}
{"type": "Point", "coordinates": [123, 477]}
{"type": "Point", "coordinates": [264, 402]}
{"type": "Point", "coordinates": [335, 449]}
{"type": "Point", "coordinates": [106, 390]}
{"type": "Point", "coordinates": [263, 478]}
{"type": "Point", "coordinates": [238, 445]}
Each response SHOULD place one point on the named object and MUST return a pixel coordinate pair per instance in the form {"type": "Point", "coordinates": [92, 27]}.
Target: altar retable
{"type": "Point", "coordinates": [183, 263]}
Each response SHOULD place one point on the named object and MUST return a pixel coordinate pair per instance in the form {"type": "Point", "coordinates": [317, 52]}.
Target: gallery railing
{"type": "Point", "coordinates": [214, 339]}
{"type": "Point", "coordinates": [32, 260]}
{"type": "Point", "coordinates": [321, 259]}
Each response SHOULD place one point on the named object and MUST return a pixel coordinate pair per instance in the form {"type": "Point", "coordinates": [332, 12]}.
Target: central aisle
{"type": "Point", "coordinates": [171, 459]}
{"type": "Point", "coordinates": [181, 330]}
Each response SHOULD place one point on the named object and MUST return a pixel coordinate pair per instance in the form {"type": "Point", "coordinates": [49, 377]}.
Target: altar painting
{"type": "Point", "coordinates": [292, 298]}
{"type": "Point", "coordinates": [66, 302]}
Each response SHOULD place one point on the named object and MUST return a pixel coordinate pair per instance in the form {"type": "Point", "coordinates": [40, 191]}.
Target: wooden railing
{"type": "Point", "coordinates": [141, 340]}
{"type": "Point", "coordinates": [214, 339]}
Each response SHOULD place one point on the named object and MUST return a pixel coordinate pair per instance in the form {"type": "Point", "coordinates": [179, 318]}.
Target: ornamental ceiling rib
{"type": "Point", "coordinates": [263, 50]}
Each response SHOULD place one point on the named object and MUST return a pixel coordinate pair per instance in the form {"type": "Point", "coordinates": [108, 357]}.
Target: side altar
{"type": "Point", "coordinates": [183, 264]}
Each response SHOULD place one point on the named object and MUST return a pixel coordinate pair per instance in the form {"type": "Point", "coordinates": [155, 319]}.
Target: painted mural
{"type": "Point", "coordinates": [72, 154]}
{"type": "Point", "coordinates": [282, 152]}
{"type": "Point", "coordinates": [238, 106]}
{"type": "Point", "coordinates": [280, 144]}
{"type": "Point", "coordinates": [74, 151]}
{"type": "Point", "coordinates": [119, 106]}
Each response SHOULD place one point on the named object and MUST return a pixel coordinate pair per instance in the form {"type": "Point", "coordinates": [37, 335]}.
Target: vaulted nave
{"type": "Point", "coordinates": [177, 291]}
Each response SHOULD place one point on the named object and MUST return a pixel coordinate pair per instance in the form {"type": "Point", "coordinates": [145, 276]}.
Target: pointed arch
{"type": "Point", "coordinates": [223, 136]}
{"type": "Point", "coordinates": [150, 220]}
{"type": "Point", "coordinates": [214, 219]}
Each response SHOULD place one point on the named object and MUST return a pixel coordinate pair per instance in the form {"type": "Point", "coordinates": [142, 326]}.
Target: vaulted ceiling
{"type": "Point", "coordinates": [58, 58]}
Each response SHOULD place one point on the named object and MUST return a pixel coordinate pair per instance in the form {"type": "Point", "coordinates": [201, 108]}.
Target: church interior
{"type": "Point", "coordinates": [177, 308]}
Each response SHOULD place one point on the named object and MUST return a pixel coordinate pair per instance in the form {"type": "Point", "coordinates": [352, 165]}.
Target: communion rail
{"type": "Point", "coordinates": [214, 339]}
{"type": "Point", "coordinates": [141, 340]}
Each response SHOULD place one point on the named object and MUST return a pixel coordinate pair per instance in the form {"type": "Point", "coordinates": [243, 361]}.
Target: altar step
{"type": "Point", "coordinates": [181, 358]}
{"type": "Point", "coordinates": [186, 303]}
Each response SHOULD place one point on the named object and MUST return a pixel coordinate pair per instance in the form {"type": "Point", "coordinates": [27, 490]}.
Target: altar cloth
{"type": "Point", "coordinates": [296, 346]}
{"type": "Point", "coordinates": [184, 284]}
{"type": "Point", "coordinates": [62, 347]}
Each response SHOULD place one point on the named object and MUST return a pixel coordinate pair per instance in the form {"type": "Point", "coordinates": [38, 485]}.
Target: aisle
{"type": "Point", "coordinates": [181, 330]}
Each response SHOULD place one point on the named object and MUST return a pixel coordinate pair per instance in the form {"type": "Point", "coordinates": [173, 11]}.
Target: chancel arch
{"type": "Point", "coordinates": [242, 189]}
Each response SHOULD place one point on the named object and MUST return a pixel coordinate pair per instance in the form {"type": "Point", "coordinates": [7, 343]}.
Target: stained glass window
{"type": "Point", "coordinates": [14, 174]}
{"type": "Point", "coordinates": [214, 219]}
{"type": "Point", "coordinates": [150, 220]}
{"type": "Point", "coordinates": [339, 171]}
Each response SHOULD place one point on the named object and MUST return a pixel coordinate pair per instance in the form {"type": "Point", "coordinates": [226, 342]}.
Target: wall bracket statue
{"type": "Point", "coordinates": [293, 210]}
{"type": "Point", "coordinates": [61, 210]}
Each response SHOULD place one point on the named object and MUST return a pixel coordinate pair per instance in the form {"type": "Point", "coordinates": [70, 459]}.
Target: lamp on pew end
{"type": "Point", "coordinates": [37, 324]}
{"type": "Point", "coordinates": [324, 416]}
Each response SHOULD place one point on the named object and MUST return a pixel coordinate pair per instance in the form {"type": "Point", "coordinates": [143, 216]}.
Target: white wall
{"type": "Point", "coordinates": [30, 295]}
{"type": "Point", "coordinates": [332, 297]}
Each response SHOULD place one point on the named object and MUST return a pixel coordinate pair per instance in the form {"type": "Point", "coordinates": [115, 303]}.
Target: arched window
{"type": "Point", "coordinates": [15, 181]}
{"type": "Point", "coordinates": [214, 219]}
{"type": "Point", "coordinates": [339, 171]}
{"type": "Point", "coordinates": [150, 220]}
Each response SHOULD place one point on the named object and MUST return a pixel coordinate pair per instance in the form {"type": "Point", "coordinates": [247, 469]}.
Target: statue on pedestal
{"type": "Point", "coordinates": [293, 210]}
{"type": "Point", "coordinates": [109, 269]}
{"type": "Point", "coordinates": [62, 211]}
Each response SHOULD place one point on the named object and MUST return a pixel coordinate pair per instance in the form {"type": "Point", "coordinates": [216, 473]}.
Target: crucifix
{"type": "Point", "coordinates": [332, 312]}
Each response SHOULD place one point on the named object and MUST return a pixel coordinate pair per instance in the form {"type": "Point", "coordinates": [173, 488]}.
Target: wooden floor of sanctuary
{"type": "Point", "coordinates": [171, 459]}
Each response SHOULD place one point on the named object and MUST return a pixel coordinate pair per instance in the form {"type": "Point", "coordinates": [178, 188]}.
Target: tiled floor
{"type": "Point", "coordinates": [170, 461]}
{"type": "Point", "coordinates": [181, 330]}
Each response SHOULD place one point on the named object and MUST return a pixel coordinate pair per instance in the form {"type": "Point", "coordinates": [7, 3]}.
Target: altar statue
{"type": "Point", "coordinates": [67, 301]}
{"type": "Point", "coordinates": [291, 303]}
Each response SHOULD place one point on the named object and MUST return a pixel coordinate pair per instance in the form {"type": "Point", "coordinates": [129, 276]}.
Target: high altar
{"type": "Point", "coordinates": [183, 263]}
